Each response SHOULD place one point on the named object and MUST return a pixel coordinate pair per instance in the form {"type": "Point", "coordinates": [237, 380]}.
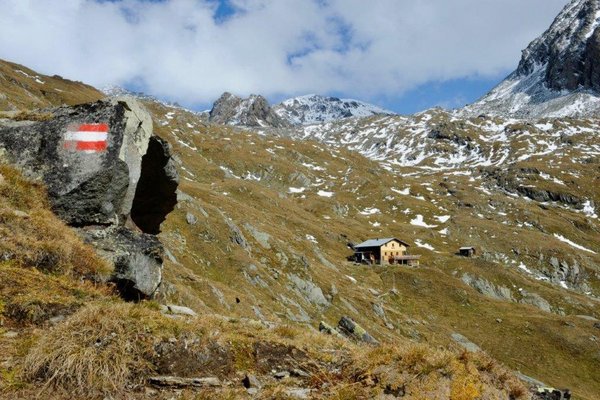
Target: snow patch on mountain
{"type": "Point", "coordinates": [437, 140]}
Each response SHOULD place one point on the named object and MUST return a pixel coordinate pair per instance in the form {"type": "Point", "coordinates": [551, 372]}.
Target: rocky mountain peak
{"type": "Point", "coordinates": [569, 49]}
{"type": "Point", "coordinates": [559, 72]}
{"type": "Point", "coordinates": [314, 109]}
{"type": "Point", "coordinates": [255, 110]}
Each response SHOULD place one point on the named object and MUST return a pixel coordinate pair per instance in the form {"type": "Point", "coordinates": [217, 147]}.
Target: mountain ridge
{"type": "Point", "coordinates": [256, 111]}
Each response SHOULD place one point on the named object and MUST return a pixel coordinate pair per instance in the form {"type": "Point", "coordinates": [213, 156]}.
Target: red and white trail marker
{"type": "Point", "coordinates": [89, 138]}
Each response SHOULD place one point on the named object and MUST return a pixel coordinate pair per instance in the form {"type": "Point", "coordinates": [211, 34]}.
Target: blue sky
{"type": "Point", "coordinates": [404, 55]}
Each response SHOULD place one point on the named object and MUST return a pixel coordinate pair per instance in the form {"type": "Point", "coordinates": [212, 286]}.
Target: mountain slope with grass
{"type": "Point", "coordinates": [256, 289]}
{"type": "Point", "coordinates": [272, 217]}
{"type": "Point", "coordinates": [257, 285]}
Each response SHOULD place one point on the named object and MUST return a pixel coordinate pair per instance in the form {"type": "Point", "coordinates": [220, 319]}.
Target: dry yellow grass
{"type": "Point", "coordinates": [28, 296]}
{"type": "Point", "coordinates": [107, 347]}
{"type": "Point", "coordinates": [46, 271]}
{"type": "Point", "coordinates": [32, 236]}
{"type": "Point", "coordinates": [28, 115]}
{"type": "Point", "coordinates": [99, 350]}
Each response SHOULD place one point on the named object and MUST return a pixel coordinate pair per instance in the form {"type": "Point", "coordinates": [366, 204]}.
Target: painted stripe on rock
{"type": "Point", "coordinates": [86, 136]}
{"type": "Point", "coordinates": [95, 146]}
{"type": "Point", "coordinates": [93, 127]}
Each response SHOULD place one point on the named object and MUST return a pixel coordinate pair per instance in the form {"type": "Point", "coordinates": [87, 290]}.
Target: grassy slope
{"type": "Point", "coordinates": [432, 302]}
{"type": "Point", "coordinates": [22, 89]}
{"type": "Point", "coordinates": [61, 335]}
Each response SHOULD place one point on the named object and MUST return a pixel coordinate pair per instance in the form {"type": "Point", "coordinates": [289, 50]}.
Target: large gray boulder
{"type": "Point", "coordinates": [91, 158]}
{"type": "Point", "coordinates": [104, 170]}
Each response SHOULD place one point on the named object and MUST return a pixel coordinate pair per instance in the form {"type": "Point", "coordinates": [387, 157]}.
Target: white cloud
{"type": "Point", "coordinates": [176, 49]}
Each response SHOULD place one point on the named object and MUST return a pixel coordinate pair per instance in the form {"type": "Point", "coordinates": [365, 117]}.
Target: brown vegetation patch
{"type": "Point", "coordinates": [278, 356]}
{"type": "Point", "coordinates": [100, 349]}
{"type": "Point", "coordinates": [187, 357]}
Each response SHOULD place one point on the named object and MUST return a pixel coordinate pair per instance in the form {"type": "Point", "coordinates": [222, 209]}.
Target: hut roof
{"type": "Point", "coordinates": [378, 243]}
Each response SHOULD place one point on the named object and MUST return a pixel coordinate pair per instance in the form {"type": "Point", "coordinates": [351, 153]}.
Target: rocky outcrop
{"type": "Point", "coordinates": [560, 271]}
{"type": "Point", "coordinates": [308, 290]}
{"type": "Point", "coordinates": [235, 234]}
{"type": "Point", "coordinates": [568, 49]}
{"type": "Point", "coordinates": [535, 300]}
{"type": "Point", "coordinates": [510, 179]}
{"type": "Point", "coordinates": [465, 343]}
{"type": "Point", "coordinates": [253, 111]}
{"type": "Point", "coordinates": [487, 288]}
{"type": "Point", "coordinates": [499, 292]}
{"type": "Point", "coordinates": [104, 170]}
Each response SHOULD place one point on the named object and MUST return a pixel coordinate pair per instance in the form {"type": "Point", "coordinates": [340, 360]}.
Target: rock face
{"type": "Point", "coordinates": [102, 167]}
{"type": "Point", "coordinates": [510, 180]}
{"type": "Point", "coordinates": [315, 109]}
{"type": "Point", "coordinates": [569, 49]}
{"type": "Point", "coordinates": [559, 72]}
{"type": "Point", "coordinates": [253, 111]}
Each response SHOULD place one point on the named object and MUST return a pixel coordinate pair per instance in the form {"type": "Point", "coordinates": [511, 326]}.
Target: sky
{"type": "Point", "coordinates": [403, 55]}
